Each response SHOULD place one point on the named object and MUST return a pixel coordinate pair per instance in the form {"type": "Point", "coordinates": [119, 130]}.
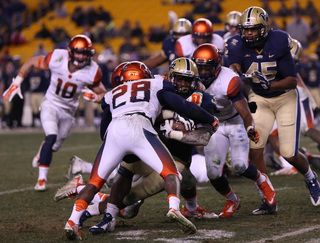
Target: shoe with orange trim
{"type": "Point", "coordinates": [69, 190]}
{"type": "Point", "coordinates": [199, 213]}
{"type": "Point", "coordinates": [285, 171]}
{"type": "Point", "coordinates": [41, 185]}
{"type": "Point", "coordinates": [229, 208]}
{"type": "Point", "coordinates": [72, 231]}
{"type": "Point", "coordinates": [183, 222]}
{"type": "Point", "coordinates": [269, 193]}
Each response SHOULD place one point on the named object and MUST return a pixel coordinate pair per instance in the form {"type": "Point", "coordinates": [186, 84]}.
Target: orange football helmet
{"type": "Point", "coordinates": [80, 44]}
{"type": "Point", "coordinates": [209, 60]}
{"type": "Point", "coordinates": [133, 71]}
{"type": "Point", "coordinates": [115, 77]}
{"type": "Point", "coordinates": [202, 31]}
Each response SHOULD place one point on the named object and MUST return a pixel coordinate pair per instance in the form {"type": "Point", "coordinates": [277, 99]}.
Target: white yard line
{"type": "Point", "coordinates": [28, 189]}
{"type": "Point", "coordinates": [289, 234]}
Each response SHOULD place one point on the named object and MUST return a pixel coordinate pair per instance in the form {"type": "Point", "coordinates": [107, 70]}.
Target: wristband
{"type": "Point", "coordinates": [167, 114]}
{"type": "Point", "coordinates": [250, 127]}
{"type": "Point", "coordinates": [18, 80]}
{"type": "Point", "coordinates": [177, 135]}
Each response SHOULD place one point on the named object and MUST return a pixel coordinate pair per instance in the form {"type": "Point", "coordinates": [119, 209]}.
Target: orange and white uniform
{"type": "Point", "coordinates": [62, 97]}
{"type": "Point", "coordinates": [185, 46]}
{"type": "Point", "coordinates": [232, 132]}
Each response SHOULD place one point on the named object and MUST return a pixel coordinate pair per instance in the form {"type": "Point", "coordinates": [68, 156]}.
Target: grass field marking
{"type": "Point", "coordinates": [63, 149]}
{"type": "Point", "coordinates": [289, 234]}
{"type": "Point", "coordinates": [200, 235]}
{"type": "Point", "coordinates": [28, 189]}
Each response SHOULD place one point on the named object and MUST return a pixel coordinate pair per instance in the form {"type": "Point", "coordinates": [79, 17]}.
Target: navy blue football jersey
{"type": "Point", "coordinates": [168, 48]}
{"type": "Point", "coordinates": [274, 60]}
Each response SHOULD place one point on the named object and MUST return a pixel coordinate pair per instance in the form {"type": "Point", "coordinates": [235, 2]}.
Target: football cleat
{"type": "Point", "coordinates": [229, 208]}
{"type": "Point", "coordinates": [36, 158]}
{"type": "Point", "coordinates": [84, 216]}
{"type": "Point", "coordinates": [75, 167]}
{"type": "Point", "coordinates": [265, 209]}
{"type": "Point", "coordinates": [130, 211]}
{"type": "Point", "coordinates": [199, 213]}
{"type": "Point", "coordinates": [72, 231]}
{"type": "Point", "coordinates": [177, 217]}
{"type": "Point", "coordinates": [314, 190]}
{"type": "Point", "coordinates": [41, 185]}
{"type": "Point", "coordinates": [269, 193]}
{"type": "Point", "coordinates": [108, 223]}
{"type": "Point", "coordinates": [285, 171]}
{"type": "Point", "coordinates": [69, 190]}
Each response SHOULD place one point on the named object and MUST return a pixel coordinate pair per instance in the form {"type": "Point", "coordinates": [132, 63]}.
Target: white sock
{"type": "Point", "coordinates": [261, 178]}
{"type": "Point", "coordinates": [191, 203]}
{"type": "Point", "coordinates": [43, 172]}
{"type": "Point", "coordinates": [112, 209]}
{"type": "Point", "coordinates": [79, 189]}
{"type": "Point", "coordinates": [284, 162]}
{"type": "Point", "coordinates": [94, 209]}
{"type": "Point", "coordinates": [174, 202]}
{"type": "Point", "coordinates": [309, 175]}
{"type": "Point", "coordinates": [231, 196]}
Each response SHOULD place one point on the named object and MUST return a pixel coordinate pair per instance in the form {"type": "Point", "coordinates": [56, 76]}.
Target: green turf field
{"type": "Point", "coordinates": [29, 216]}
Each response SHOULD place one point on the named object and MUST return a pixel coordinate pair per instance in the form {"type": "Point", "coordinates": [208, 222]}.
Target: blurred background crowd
{"type": "Point", "coordinates": [123, 31]}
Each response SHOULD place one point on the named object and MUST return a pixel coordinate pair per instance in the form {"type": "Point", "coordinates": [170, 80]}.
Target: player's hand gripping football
{"type": "Point", "coordinates": [13, 89]}
{"type": "Point", "coordinates": [253, 134]}
{"type": "Point", "coordinates": [262, 79]}
{"type": "Point", "coordinates": [89, 95]}
{"type": "Point", "coordinates": [188, 123]}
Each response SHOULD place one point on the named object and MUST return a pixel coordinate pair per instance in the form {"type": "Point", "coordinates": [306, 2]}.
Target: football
{"type": "Point", "coordinates": [177, 126]}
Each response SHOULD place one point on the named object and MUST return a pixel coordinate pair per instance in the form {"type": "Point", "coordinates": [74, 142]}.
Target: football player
{"type": "Point", "coordinates": [150, 182]}
{"type": "Point", "coordinates": [71, 71]}
{"type": "Point", "coordinates": [234, 132]}
{"type": "Point", "coordinates": [202, 32]}
{"type": "Point", "coordinates": [231, 24]}
{"type": "Point", "coordinates": [130, 110]}
{"type": "Point", "coordinates": [307, 104]}
{"type": "Point", "coordinates": [262, 57]}
{"type": "Point", "coordinates": [180, 28]}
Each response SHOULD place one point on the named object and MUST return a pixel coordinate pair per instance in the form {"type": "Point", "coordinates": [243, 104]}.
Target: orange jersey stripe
{"type": "Point", "coordinates": [234, 86]}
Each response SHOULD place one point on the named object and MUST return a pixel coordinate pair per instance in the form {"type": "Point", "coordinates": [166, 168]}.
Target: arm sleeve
{"type": "Point", "coordinates": [180, 105]}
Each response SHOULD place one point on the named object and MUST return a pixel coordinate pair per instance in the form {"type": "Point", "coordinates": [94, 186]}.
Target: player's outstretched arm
{"type": "Point", "coordinates": [24, 70]}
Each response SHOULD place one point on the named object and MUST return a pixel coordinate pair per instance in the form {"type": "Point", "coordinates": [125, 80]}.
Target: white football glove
{"type": "Point", "coordinates": [188, 123]}
{"type": "Point", "coordinates": [89, 95]}
{"type": "Point", "coordinates": [13, 89]}
{"type": "Point", "coordinates": [166, 128]}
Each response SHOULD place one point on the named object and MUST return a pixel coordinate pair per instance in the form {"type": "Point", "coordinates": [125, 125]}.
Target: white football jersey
{"type": "Point", "coordinates": [223, 87]}
{"type": "Point", "coordinates": [187, 46]}
{"type": "Point", "coordinates": [65, 87]}
{"type": "Point", "coordinates": [136, 96]}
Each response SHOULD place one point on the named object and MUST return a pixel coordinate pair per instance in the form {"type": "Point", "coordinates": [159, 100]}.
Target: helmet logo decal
{"type": "Point", "coordinates": [263, 16]}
